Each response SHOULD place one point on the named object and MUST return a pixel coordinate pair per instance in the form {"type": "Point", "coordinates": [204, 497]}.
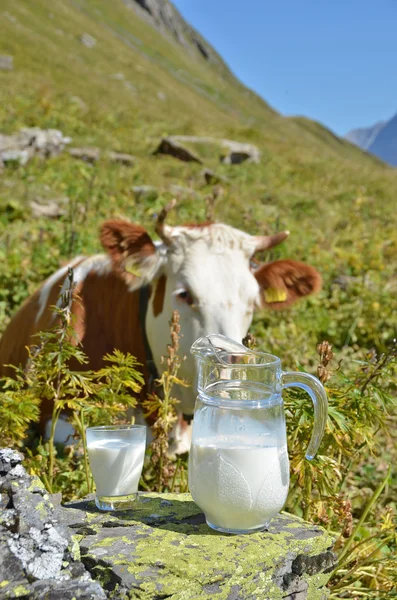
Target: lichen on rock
{"type": "Point", "coordinates": [162, 548]}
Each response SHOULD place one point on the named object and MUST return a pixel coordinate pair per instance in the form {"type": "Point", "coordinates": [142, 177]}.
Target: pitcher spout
{"type": "Point", "coordinates": [216, 347]}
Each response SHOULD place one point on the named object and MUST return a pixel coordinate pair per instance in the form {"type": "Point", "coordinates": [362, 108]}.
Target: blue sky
{"type": "Point", "coordinates": [334, 61]}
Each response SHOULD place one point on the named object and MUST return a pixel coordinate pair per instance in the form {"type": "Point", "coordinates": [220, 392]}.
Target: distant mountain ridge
{"type": "Point", "coordinates": [364, 136]}
{"type": "Point", "coordinates": [380, 139]}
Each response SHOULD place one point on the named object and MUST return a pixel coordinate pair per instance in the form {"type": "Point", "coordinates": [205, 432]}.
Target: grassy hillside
{"type": "Point", "coordinates": [127, 91]}
{"type": "Point", "coordinates": [136, 85]}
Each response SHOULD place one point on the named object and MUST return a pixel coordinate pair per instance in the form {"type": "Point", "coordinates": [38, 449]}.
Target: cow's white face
{"type": "Point", "coordinates": [204, 273]}
{"type": "Point", "coordinates": [207, 278]}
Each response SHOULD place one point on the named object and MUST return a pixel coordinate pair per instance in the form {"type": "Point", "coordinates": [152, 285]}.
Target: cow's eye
{"type": "Point", "coordinates": [186, 297]}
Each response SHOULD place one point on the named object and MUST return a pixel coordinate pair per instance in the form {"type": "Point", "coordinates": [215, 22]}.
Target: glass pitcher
{"type": "Point", "coordinates": [238, 462]}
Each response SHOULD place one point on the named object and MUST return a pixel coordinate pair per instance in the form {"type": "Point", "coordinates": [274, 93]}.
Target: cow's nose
{"type": "Point", "coordinates": [231, 331]}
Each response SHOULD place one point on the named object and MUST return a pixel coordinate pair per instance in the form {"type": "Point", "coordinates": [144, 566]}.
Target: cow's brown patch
{"type": "Point", "coordinates": [284, 281]}
{"type": "Point", "coordinates": [21, 331]}
{"type": "Point", "coordinates": [158, 299]}
{"type": "Point", "coordinates": [122, 239]}
{"type": "Point", "coordinates": [106, 317]}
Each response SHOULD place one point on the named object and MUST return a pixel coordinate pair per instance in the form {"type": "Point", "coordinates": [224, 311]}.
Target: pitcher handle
{"type": "Point", "coordinates": [317, 393]}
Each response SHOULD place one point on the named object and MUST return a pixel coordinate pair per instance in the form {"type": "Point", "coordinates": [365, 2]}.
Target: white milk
{"type": "Point", "coordinates": [238, 487]}
{"type": "Point", "coordinates": [116, 466]}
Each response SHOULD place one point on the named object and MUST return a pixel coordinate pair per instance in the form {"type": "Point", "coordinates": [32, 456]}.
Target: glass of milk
{"type": "Point", "coordinates": [238, 462]}
{"type": "Point", "coordinates": [116, 454]}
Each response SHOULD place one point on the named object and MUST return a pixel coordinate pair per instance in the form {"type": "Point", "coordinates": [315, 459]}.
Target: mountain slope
{"type": "Point", "coordinates": [132, 65]}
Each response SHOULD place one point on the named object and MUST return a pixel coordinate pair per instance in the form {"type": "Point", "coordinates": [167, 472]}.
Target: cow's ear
{"type": "Point", "coordinates": [282, 282]}
{"type": "Point", "coordinates": [126, 242]}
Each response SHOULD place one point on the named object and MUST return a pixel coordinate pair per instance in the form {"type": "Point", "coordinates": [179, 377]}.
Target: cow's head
{"type": "Point", "coordinates": [207, 273]}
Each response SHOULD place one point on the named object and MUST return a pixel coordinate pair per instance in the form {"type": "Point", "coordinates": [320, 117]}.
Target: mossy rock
{"type": "Point", "coordinates": [164, 548]}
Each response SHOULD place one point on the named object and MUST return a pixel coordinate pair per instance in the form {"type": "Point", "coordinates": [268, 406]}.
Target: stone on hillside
{"type": "Point", "coordinates": [87, 40]}
{"type": "Point", "coordinates": [236, 152]}
{"type": "Point", "coordinates": [30, 141]}
{"type": "Point", "coordinates": [121, 157]}
{"type": "Point", "coordinates": [239, 152]}
{"type": "Point", "coordinates": [173, 148]}
{"type": "Point", "coordinates": [89, 155]}
{"type": "Point", "coordinates": [180, 191]}
{"type": "Point", "coordinates": [145, 192]}
{"type": "Point", "coordinates": [6, 62]}
{"type": "Point", "coordinates": [234, 158]}
{"type": "Point", "coordinates": [46, 142]}
{"type": "Point", "coordinates": [211, 178]}
{"type": "Point", "coordinates": [51, 209]}
{"type": "Point", "coordinates": [8, 157]}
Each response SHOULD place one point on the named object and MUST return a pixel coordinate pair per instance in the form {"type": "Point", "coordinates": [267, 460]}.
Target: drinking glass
{"type": "Point", "coordinates": [116, 454]}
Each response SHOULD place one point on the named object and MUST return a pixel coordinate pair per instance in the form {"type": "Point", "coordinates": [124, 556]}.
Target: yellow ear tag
{"type": "Point", "coordinates": [132, 268]}
{"type": "Point", "coordinates": [275, 295]}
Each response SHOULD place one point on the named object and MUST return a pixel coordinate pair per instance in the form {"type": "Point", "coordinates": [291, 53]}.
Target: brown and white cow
{"type": "Point", "coordinates": [206, 272]}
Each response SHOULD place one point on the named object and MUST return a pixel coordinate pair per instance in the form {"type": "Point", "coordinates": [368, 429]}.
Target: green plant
{"type": "Point", "coordinates": [162, 406]}
{"type": "Point", "coordinates": [17, 410]}
{"type": "Point", "coordinates": [90, 397]}
{"type": "Point", "coordinates": [328, 491]}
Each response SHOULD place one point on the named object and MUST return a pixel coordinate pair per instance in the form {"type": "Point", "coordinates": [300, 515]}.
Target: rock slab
{"type": "Point", "coordinates": [163, 548]}
{"type": "Point", "coordinates": [30, 141]}
{"type": "Point", "coordinates": [39, 557]}
{"type": "Point", "coordinates": [6, 62]}
{"type": "Point", "coordinates": [232, 152]}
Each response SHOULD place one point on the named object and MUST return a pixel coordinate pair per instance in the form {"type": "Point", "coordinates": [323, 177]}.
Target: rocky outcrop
{"type": "Point", "coordinates": [6, 62]}
{"type": "Point", "coordinates": [172, 147]}
{"type": "Point", "coordinates": [92, 155]}
{"type": "Point", "coordinates": [89, 155]}
{"type": "Point", "coordinates": [46, 143]}
{"type": "Point", "coordinates": [51, 209]}
{"type": "Point", "coordinates": [161, 549]}
{"type": "Point", "coordinates": [29, 142]}
{"type": "Point", "coordinates": [122, 158]}
{"type": "Point", "coordinates": [232, 152]}
{"type": "Point", "coordinates": [163, 15]}
{"type": "Point", "coordinates": [38, 553]}
{"type": "Point", "coordinates": [164, 549]}
{"type": "Point", "coordinates": [87, 40]}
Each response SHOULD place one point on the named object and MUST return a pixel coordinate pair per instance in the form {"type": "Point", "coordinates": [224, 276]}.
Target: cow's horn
{"type": "Point", "coordinates": [159, 229]}
{"type": "Point", "coordinates": [264, 242]}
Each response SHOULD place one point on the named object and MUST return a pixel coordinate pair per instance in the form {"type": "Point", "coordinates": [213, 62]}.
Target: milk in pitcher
{"type": "Point", "coordinates": [238, 486]}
